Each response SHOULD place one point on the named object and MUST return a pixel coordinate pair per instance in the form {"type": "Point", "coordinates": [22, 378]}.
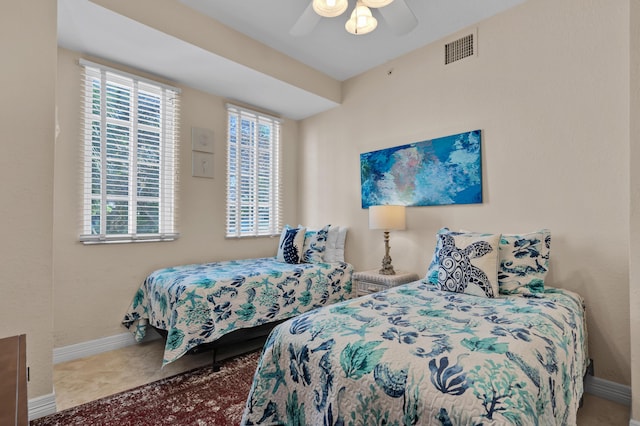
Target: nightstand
{"type": "Point", "coordinates": [372, 281]}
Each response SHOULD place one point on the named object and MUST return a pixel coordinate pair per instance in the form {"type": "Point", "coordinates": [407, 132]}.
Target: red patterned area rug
{"type": "Point", "coordinates": [197, 397]}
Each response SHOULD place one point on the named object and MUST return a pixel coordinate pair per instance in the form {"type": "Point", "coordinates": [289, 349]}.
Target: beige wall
{"type": "Point", "coordinates": [550, 91]}
{"type": "Point", "coordinates": [634, 260]}
{"type": "Point", "coordinates": [27, 80]}
{"type": "Point", "coordinates": [94, 284]}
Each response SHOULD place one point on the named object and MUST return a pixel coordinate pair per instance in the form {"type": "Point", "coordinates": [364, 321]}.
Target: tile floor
{"type": "Point", "coordinates": [82, 380]}
{"type": "Point", "coordinates": [86, 379]}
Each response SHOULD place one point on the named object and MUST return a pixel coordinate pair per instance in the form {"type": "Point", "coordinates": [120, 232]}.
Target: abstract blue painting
{"type": "Point", "coordinates": [440, 171]}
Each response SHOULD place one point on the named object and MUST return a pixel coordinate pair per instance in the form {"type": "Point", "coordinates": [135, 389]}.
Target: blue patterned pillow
{"type": "Point", "coordinates": [291, 244]}
{"type": "Point", "coordinates": [468, 263]}
{"type": "Point", "coordinates": [315, 242]}
{"type": "Point", "coordinates": [524, 262]}
{"type": "Point", "coordinates": [432, 271]}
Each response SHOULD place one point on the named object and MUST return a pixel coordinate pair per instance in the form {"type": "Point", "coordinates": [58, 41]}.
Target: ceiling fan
{"type": "Point", "coordinates": [396, 13]}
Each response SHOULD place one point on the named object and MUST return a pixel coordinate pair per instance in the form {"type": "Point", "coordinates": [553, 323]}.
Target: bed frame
{"type": "Point", "coordinates": [245, 339]}
{"type": "Point", "coordinates": [590, 372]}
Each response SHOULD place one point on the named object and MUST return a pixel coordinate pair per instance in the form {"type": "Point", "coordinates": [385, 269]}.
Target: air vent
{"type": "Point", "coordinates": [459, 49]}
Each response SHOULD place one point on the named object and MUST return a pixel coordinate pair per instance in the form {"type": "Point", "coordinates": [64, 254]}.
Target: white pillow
{"type": "Point", "coordinates": [330, 248]}
{"type": "Point", "coordinates": [334, 250]}
{"type": "Point", "coordinates": [342, 236]}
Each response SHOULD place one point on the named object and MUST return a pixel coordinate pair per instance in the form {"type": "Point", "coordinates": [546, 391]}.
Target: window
{"type": "Point", "coordinates": [130, 157]}
{"type": "Point", "coordinates": [253, 173]}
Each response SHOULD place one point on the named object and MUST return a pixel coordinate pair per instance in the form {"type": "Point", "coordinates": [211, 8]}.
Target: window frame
{"type": "Point", "coordinates": [246, 168]}
{"type": "Point", "coordinates": [146, 149]}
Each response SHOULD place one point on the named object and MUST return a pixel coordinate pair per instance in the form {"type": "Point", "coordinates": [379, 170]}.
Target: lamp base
{"type": "Point", "coordinates": [387, 268]}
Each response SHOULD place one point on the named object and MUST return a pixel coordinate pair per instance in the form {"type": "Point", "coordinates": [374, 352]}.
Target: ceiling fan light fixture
{"type": "Point", "coordinates": [361, 21]}
{"type": "Point", "coordinates": [376, 3]}
{"type": "Point", "coordinates": [330, 8]}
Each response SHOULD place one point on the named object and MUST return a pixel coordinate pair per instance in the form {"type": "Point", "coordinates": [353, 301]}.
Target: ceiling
{"type": "Point", "coordinates": [329, 48]}
{"type": "Point", "coordinates": [88, 28]}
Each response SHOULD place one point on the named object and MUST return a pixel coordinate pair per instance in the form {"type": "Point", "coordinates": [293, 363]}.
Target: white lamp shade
{"type": "Point", "coordinates": [376, 3]}
{"type": "Point", "coordinates": [330, 8]}
{"type": "Point", "coordinates": [387, 217]}
{"type": "Point", "coordinates": [361, 21]}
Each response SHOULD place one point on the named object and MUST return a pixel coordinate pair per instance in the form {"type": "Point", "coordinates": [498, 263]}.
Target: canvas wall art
{"type": "Point", "coordinates": [446, 170]}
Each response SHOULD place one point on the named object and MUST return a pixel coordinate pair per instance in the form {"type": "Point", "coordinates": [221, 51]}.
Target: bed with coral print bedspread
{"type": "Point", "coordinates": [417, 355]}
{"type": "Point", "coordinates": [200, 303]}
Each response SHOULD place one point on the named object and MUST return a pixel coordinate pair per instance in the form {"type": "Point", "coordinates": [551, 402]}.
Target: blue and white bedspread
{"type": "Point", "coordinates": [413, 355]}
{"type": "Point", "coordinates": [198, 304]}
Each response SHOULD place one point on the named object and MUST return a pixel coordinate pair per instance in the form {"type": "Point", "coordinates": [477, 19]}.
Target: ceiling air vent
{"type": "Point", "coordinates": [459, 49]}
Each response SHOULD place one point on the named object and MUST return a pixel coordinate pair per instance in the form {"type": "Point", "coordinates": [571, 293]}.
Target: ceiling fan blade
{"type": "Point", "coordinates": [306, 22]}
{"type": "Point", "coordinates": [399, 17]}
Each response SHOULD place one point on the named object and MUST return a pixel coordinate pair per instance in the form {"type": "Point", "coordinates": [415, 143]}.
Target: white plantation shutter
{"type": "Point", "coordinates": [130, 157]}
{"type": "Point", "coordinates": [253, 173]}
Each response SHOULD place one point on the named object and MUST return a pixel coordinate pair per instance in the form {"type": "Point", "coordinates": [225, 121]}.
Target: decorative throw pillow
{"type": "Point", "coordinates": [291, 244]}
{"type": "Point", "coordinates": [468, 263]}
{"type": "Point", "coordinates": [432, 272]}
{"type": "Point", "coordinates": [524, 262]}
{"type": "Point", "coordinates": [315, 242]}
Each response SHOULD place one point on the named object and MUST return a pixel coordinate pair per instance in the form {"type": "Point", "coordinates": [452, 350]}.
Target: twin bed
{"type": "Point", "coordinates": [417, 355]}
{"type": "Point", "coordinates": [200, 304]}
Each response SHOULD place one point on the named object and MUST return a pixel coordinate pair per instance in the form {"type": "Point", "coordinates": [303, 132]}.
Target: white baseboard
{"type": "Point", "coordinates": [634, 422]}
{"type": "Point", "coordinates": [608, 390]}
{"type": "Point", "coordinates": [98, 346]}
{"type": "Point", "coordinates": [42, 406]}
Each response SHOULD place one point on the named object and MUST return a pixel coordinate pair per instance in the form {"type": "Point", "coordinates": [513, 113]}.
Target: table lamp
{"type": "Point", "coordinates": [387, 218]}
